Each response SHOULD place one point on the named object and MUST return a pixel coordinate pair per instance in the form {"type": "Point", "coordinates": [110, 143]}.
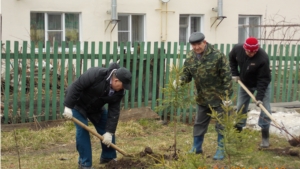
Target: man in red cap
{"type": "Point", "coordinates": [254, 72]}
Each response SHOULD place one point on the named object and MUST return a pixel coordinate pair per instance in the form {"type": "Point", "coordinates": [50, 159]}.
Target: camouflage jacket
{"type": "Point", "coordinates": [211, 74]}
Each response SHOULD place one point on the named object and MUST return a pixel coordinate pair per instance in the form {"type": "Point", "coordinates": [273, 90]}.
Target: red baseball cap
{"type": "Point", "coordinates": [251, 44]}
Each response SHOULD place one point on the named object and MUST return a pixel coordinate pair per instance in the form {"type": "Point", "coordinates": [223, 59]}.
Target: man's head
{"type": "Point", "coordinates": [121, 79]}
{"type": "Point", "coordinates": [197, 41]}
{"type": "Point", "coordinates": [251, 46]}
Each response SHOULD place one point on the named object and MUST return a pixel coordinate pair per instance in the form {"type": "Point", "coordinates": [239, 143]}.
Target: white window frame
{"type": "Point", "coordinates": [189, 25]}
{"type": "Point", "coordinates": [247, 17]}
{"type": "Point", "coordinates": [63, 28]}
{"type": "Point", "coordinates": [130, 27]}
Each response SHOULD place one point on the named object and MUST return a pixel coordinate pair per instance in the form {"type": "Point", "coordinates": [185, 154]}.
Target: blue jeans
{"type": "Point", "coordinates": [83, 142]}
{"type": "Point", "coordinates": [244, 99]}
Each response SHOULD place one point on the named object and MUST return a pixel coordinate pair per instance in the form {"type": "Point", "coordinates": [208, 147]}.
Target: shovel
{"type": "Point", "coordinates": [99, 136]}
{"type": "Point", "coordinates": [269, 115]}
{"type": "Point", "coordinates": [260, 105]}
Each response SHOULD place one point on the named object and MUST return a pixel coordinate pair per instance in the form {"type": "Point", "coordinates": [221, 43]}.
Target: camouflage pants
{"type": "Point", "coordinates": [202, 120]}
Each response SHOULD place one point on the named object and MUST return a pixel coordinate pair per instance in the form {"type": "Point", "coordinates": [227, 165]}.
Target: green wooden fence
{"type": "Point", "coordinates": [34, 80]}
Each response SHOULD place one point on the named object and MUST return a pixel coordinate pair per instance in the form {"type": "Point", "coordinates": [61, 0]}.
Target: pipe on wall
{"type": "Point", "coordinates": [220, 9]}
{"type": "Point", "coordinates": [114, 15]}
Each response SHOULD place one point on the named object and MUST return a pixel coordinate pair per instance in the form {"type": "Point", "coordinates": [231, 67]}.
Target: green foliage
{"type": "Point", "coordinates": [237, 144]}
{"type": "Point", "coordinates": [175, 97]}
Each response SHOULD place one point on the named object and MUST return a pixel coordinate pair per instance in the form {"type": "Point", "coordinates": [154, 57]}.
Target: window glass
{"type": "Point", "coordinates": [131, 28]}
{"type": "Point", "coordinates": [248, 26]}
{"type": "Point", "coordinates": [253, 22]}
{"type": "Point", "coordinates": [123, 23]}
{"type": "Point", "coordinates": [54, 22]}
{"type": "Point", "coordinates": [137, 25]}
{"type": "Point", "coordinates": [183, 32]}
{"type": "Point", "coordinates": [50, 27]}
{"type": "Point", "coordinates": [187, 25]}
{"type": "Point", "coordinates": [37, 28]}
{"type": "Point", "coordinates": [55, 36]}
{"type": "Point", "coordinates": [123, 29]}
{"type": "Point", "coordinates": [72, 28]}
{"type": "Point", "coordinates": [195, 24]}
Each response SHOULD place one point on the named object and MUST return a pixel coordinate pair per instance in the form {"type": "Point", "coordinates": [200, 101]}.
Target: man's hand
{"type": "Point", "coordinates": [227, 102]}
{"type": "Point", "coordinates": [107, 138]}
{"type": "Point", "coordinates": [258, 102]}
{"type": "Point", "coordinates": [176, 84]}
{"type": "Point", "coordinates": [235, 78]}
{"type": "Point", "coordinates": [68, 113]}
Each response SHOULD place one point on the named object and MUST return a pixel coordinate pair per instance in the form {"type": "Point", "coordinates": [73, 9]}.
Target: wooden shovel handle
{"type": "Point", "coordinates": [260, 105]}
{"type": "Point", "coordinates": [98, 135]}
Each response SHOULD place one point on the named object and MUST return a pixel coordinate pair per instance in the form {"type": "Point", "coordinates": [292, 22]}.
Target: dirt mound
{"type": "Point", "coordinates": [126, 164]}
{"type": "Point", "coordinates": [142, 160]}
{"type": "Point", "coordinates": [295, 142]}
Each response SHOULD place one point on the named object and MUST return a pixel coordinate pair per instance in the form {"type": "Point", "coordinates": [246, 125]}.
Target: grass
{"type": "Point", "coordinates": [55, 147]}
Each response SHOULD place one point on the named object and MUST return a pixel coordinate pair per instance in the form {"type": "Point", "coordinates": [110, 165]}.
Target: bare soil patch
{"type": "Point", "coordinates": [142, 160]}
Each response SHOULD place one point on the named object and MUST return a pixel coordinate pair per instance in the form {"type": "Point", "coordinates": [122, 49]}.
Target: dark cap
{"type": "Point", "coordinates": [196, 37]}
{"type": "Point", "coordinates": [124, 76]}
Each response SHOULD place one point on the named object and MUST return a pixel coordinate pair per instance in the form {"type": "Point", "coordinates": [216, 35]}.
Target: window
{"type": "Point", "coordinates": [54, 27]}
{"type": "Point", "coordinates": [248, 26]}
{"type": "Point", "coordinates": [187, 25]}
{"type": "Point", "coordinates": [131, 28]}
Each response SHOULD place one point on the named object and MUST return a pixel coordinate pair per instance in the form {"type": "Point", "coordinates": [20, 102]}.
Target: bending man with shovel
{"type": "Point", "coordinates": [85, 99]}
{"type": "Point", "coordinates": [254, 72]}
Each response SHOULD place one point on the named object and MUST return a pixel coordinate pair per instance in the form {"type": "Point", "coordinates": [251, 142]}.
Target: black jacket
{"type": "Point", "coordinates": [89, 93]}
{"type": "Point", "coordinates": [253, 72]}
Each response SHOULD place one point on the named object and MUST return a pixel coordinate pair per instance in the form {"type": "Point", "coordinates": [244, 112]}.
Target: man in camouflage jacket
{"type": "Point", "coordinates": [211, 72]}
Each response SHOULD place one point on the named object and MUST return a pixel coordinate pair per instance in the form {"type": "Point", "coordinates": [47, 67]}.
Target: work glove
{"type": "Point", "coordinates": [258, 102]}
{"type": "Point", "coordinates": [235, 78]}
{"type": "Point", "coordinates": [68, 113]}
{"type": "Point", "coordinates": [107, 138]}
{"type": "Point", "coordinates": [227, 102]}
{"type": "Point", "coordinates": [176, 84]}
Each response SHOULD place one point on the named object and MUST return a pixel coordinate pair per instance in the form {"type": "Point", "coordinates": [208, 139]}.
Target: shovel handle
{"type": "Point", "coordinates": [260, 105]}
{"type": "Point", "coordinates": [97, 135]}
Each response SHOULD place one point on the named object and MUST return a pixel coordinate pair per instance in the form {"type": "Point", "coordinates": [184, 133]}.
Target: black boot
{"type": "Point", "coordinates": [265, 138]}
{"type": "Point", "coordinates": [239, 129]}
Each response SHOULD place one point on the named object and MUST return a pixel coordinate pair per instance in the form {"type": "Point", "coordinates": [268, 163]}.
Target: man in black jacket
{"type": "Point", "coordinates": [85, 99]}
{"type": "Point", "coordinates": [254, 72]}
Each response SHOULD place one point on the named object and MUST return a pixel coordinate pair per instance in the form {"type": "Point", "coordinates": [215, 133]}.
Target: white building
{"type": "Point", "coordinates": [228, 21]}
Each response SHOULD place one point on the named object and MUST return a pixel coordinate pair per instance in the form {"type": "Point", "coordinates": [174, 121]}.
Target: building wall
{"type": "Point", "coordinates": [160, 26]}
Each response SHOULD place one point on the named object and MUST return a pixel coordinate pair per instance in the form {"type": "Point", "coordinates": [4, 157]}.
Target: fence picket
{"type": "Point", "coordinates": [154, 76]}
{"type": "Point", "coordinates": [31, 85]}
{"type": "Point", "coordinates": [287, 49]}
{"type": "Point", "coordinates": [7, 83]}
{"type": "Point", "coordinates": [140, 75]}
{"type": "Point", "coordinates": [273, 73]}
{"type": "Point", "coordinates": [23, 81]}
{"type": "Point", "coordinates": [85, 56]}
{"type": "Point", "coordinates": [128, 49]}
{"type": "Point", "coordinates": [290, 75]}
{"type": "Point", "coordinates": [297, 83]}
{"type": "Point", "coordinates": [278, 87]}
{"type": "Point", "coordinates": [40, 77]}
{"type": "Point", "coordinates": [47, 82]}
{"type": "Point", "coordinates": [62, 76]}
{"type": "Point", "coordinates": [54, 81]}
{"type": "Point", "coordinates": [100, 55]}
{"type": "Point", "coordinates": [29, 96]}
{"type": "Point", "coordinates": [78, 60]}
{"type": "Point", "coordinates": [147, 74]}
{"type": "Point", "coordinates": [93, 55]}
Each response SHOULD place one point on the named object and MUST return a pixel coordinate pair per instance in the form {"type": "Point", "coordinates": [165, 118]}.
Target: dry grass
{"type": "Point", "coordinates": [55, 147]}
